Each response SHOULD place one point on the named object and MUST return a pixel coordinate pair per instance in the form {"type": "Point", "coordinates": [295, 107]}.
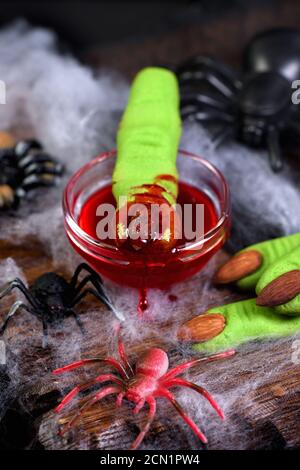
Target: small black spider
{"type": "Point", "coordinates": [51, 297]}
{"type": "Point", "coordinates": [255, 107]}
{"type": "Point", "coordinates": [23, 168]}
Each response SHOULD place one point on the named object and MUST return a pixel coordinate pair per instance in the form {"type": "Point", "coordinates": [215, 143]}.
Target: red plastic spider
{"type": "Point", "coordinates": [149, 381]}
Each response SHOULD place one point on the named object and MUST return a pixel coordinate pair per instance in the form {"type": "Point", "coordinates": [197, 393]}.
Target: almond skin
{"type": "Point", "coordinates": [7, 140]}
{"type": "Point", "coordinates": [6, 195]}
{"type": "Point", "coordinates": [202, 328]}
{"type": "Point", "coordinates": [238, 267]}
{"type": "Point", "coordinates": [281, 290]}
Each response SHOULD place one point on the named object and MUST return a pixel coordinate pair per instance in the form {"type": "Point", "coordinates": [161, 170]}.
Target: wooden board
{"type": "Point", "coordinates": [267, 416]}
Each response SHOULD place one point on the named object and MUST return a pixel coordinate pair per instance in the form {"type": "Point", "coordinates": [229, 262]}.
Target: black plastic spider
{"type": "Point", "coordinates": [257, 108]}
{"type": "Point", "coordinates": [51, 297]}
{"type": "Point", "coordinates": [23, 168]}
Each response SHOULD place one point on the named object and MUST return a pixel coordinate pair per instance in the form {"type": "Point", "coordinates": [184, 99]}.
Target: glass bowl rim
{"type": "Point", "coordinates": [91, 241]}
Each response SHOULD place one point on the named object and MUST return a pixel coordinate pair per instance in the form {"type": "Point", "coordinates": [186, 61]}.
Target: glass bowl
{"type": "Point", "coordinates": [134, 269]}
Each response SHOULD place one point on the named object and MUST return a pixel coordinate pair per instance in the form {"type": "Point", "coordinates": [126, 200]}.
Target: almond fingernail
{"type": "Point", "coordinates": [281, 290]}
{"type": "Point", "coordinates": [202, 328]}
{"type": "Point", "coordinates": [238, 267]}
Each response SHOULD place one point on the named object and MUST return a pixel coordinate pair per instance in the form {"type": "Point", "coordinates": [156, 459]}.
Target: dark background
{"type": "Point", "coordinates": [82, 24]}
{"type": "Point", "coordinates": [127, 36]}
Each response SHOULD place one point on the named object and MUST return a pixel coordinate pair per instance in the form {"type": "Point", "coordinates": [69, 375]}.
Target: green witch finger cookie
{"type": "Point", "coordinates": [247, 266]}
{"type": "Point", "coordinates": [234, 324]}
{"type": "Point", "coordinates": [279, 286]}
{"type": "Point", "coordinates": [145, 172]}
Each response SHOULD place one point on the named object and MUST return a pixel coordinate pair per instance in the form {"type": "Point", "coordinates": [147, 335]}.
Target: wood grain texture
{"type": "Point", "coordinates": [267, 416]}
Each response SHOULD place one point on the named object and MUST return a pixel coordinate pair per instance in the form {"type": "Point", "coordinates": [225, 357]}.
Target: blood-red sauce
{"type": "Point", "coordinates": [187, 195]}
{"type": "Point", "coordinates": [143, 271]}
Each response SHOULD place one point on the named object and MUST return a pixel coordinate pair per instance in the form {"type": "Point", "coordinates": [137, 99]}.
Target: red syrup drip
{"type": "Point", "coordinates": [145, 274]}
{"type": "Point", "coordinates": [143, 302]}
{"type": "Point", "coordinates": [173, 298]}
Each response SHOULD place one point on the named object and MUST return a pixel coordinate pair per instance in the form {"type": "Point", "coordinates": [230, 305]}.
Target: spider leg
{"type": "Point", "coordinates": [85, 292]}
{"type": "Point", "coordinates": [218, 75]}
{"type": "Point", "coordinates": [204, 100]}
{"type": "Point", "coordinates": [192, 112]}
{"type": "Point", "coordinates": [170, 397]}
{"type": "Point", "coordinates": [82, 284]}
{"type": "Point", "coordinates": [81, 267]}
{"type": "Point", "coordinates": [138, 406]}
{"type": "Point", "coordinates": [123, 357]}
{"type": "Point", "coordinates": [77, 319]}
{"type": "Point", "coordinates": [80, 388]}
{"type": "Point", "coordinates": [97, 282]}
{"type": "Point", "coordinates": [120, 399]}
{"type": "Point", "coordinates": [98, 286]}
{"type": "Point", "coordinates": [203, 360]}
{"type": "Point", "coordinates": [12, 311]}
{"type": "Point", "coordinates": [226, 131]}
{"type": "Point", "coordinates": [152, 410]}
{"type": "Point", "coordinates": [108, 360]}
{"type": "Point", "coordinates": [45, 334]}
{"type": "Point", "coordinates": [47, 168]}
{"type": "Point", "coordinates": [31, 158]}
{"type": "Point", "coordinates": [34, 181]}
{"type": "Point", "coordinates": [203, 63]}
{"type": "Point", "coordinates": [7, 290]}
{"type": "Point", "coordinates": [197, 388]}
{"type": "Point", "coordinates": [100, 295]}
{"type": "Point", "coordinates": [22, 148]}
{"type": "Point", "coordinates": [17, 283]}
{"type": "Point", "coordinates": [275, 157]}
{"type": "Point", "coordinates": [103, 393]}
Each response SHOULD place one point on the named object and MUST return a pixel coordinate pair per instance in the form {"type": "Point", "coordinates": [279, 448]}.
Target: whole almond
{"type": "Point", "coordinates": [281, 290]}
{"type": "Point", "coordinates": [238, 267]}
{"type": "Point", "coordinates": [202, 328]}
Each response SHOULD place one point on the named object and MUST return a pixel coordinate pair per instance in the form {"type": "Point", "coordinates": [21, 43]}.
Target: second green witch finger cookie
{"type": "Point", "coordinates": [246, 267]}
{"type": "Point", "coordinates": [234, 324]}
{"type": "Point", "coordinates": [279, 286]}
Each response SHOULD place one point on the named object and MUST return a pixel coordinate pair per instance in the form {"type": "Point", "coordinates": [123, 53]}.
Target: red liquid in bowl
{"type": "Point", "coordinates": [138, 270]}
